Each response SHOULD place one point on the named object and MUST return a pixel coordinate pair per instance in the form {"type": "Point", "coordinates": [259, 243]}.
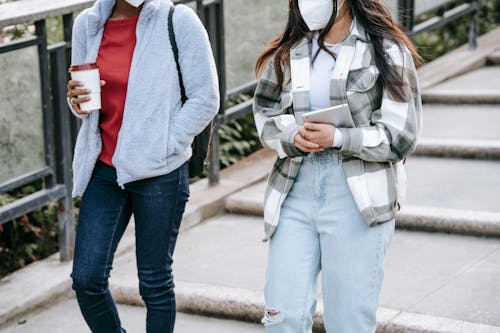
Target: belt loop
{"type": "Point", "coordinates": [336, 157]}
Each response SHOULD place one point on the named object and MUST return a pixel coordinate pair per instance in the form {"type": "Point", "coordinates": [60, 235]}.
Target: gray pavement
{"type": "Point", "coordinates": [433, 274]}
{"type": "Point", "coordinates": [465, 122]}
{"type": "Point", "coordinates": [463, 184]}
{"type": "Point", "coordinates": [65, 317]}
{"type": "Point", "coordinates": [478, 86]}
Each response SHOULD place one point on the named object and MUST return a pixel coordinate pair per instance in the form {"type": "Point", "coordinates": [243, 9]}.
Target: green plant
{"type": "Point", "coordinates": [29, 238]}
{"type": "Point", "coordinates": [54, 30]}
{"type": "Point", "coordinates": [239, 138]}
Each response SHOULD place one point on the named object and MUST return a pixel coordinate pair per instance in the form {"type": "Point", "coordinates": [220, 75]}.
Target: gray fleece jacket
{"type": "Point", "coordinates": [157, 132]}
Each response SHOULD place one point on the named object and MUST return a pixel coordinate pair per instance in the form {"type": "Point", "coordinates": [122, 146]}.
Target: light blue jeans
{"type": "Point", "coordinates": [321, 229]}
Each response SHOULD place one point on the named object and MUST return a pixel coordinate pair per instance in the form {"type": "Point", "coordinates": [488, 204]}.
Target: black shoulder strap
{"type": "Point", "coordinates": [171, 35]}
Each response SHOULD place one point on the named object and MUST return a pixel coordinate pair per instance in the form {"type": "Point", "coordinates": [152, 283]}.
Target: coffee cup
{"type": "Point", "coordinates": [88, 74]}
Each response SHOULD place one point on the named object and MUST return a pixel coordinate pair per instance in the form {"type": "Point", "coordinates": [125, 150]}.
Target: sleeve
{"type": "Point", "coordinates": [396, 126]}
{"type": "Point", "coordinates": [276, 125]}
{"type": "Point", "coordinates": [338, 138]}
{"type": "Point", "coordinates": [200, 79]}
{"type": "Point", "coordinates": [78, 51]}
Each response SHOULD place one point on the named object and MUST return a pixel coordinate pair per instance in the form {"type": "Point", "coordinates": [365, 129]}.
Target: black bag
{"type": "Point", "coordinates": [201, 142]}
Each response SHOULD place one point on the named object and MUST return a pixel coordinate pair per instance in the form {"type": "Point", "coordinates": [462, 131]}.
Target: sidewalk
{"type": "Point", "coordinates": [133, 319]}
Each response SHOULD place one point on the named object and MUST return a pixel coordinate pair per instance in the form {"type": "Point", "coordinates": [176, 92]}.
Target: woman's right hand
{"type": "Point", "coordinates": [77, 95]}
{"type": "Point", "coordinates": [305, 145]}
{"type": "Point", "coordinates": [75, 90]}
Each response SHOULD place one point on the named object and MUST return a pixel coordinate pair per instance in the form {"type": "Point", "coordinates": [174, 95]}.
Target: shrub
{"type": "Point", "coordinates": [31, 237]}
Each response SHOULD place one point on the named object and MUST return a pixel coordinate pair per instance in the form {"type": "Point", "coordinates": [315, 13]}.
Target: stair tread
{"type": "Point", "coordinates": [481, 85]}
{"type": "Point", "coordinates": [461, 184]}
{"type": "Point", "coordinates": [466, 122]}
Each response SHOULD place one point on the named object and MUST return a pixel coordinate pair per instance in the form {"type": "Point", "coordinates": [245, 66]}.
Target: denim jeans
{"type": "Point", "coordinates": [321, 229]}
{"type": "Point", "coordinates": [157, 205]}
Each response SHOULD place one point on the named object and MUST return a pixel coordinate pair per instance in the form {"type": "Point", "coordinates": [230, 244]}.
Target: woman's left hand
{"type": "Point", "coordinates": [321, 134]}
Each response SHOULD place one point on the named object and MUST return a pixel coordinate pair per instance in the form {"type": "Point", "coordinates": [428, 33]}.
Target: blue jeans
{"type": "Point", "coordinates": [321, 229]}
{"type": "Point", "coordinates": [157, 204]}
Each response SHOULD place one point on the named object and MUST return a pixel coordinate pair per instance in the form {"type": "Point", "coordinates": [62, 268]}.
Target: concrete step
{"type": "Point", "coordinates": [461, 122]}
{"type": "Point", "coordinates": [220, 270]}
{"type": "Point", "coordinates": [422, 218]}
{"type": "Point", "coordinates": [446, 195]}
{"type": "Point", "coordinates": [456, 148]}
{"type": "Point", "coordinates": [65, 317]}
{"type": "Point", "coordinates": [494, 58]}
{"type": "Point", "coordinates": [481, 86]}
{"type": "Point", "coordinates": [461, 184]}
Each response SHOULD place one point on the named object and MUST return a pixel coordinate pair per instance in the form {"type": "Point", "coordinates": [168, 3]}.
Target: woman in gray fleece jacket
{"type": "Point", "coordinates": [131, 155]}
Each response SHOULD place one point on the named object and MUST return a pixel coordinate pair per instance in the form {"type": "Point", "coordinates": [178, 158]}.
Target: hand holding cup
{"type": "Point", "coordinates": [84, 88]}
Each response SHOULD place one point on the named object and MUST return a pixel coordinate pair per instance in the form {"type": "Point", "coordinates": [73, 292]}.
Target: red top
{"type": "Point", "coordinates": [114, 60]}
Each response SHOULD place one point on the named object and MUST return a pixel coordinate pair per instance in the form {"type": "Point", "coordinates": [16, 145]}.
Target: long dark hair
{"type": "Point", "coordinates": [378, 24]}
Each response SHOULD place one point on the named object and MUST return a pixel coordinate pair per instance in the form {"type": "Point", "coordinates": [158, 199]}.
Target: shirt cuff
{"type": "Point", "coordinates": [338, 139]}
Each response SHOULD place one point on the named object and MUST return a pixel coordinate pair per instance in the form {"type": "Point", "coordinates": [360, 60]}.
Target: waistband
{"type": "Point", "coordinates": [329, 155]}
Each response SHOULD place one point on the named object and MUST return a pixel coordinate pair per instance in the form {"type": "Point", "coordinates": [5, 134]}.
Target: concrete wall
{"type": "Point", "coordinates": [21, 122]}
{"type": "Point", "coordinates": [250, 25]}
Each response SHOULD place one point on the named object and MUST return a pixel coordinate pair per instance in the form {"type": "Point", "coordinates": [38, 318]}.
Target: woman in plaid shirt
{"type": "Point", "coordinates": [334, 191]}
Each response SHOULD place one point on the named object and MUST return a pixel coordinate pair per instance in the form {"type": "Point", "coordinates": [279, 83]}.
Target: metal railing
{"type": "Point", "coordinates": [56, 174]}
{"type": "Point", "coordinates": [59, 126]}
{"type": "Point", "coordinates": [440, 15]}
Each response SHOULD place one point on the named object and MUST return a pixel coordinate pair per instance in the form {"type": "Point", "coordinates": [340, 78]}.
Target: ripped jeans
{"type": "Point", "coordinates": [321, 229]}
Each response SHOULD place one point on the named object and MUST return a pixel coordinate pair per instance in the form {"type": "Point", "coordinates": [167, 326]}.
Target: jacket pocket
{"type": "Point", "coordinates": [364, 94]}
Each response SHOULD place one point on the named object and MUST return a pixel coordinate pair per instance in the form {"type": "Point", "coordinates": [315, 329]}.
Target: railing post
{"type": "Point", "coordinates": [214, 15]}
{"type": "Point", "coordinates": [200, 10]}
{"type": "Point", "coordinates": [474, 26]}
{"type": "Point", "coordinates": [406, 14]}
{"type": "Point", "coordinates": [68, 33]}
{"type": "Point", "coordinates": [48, 130]}
{"type": "Point", "coordinates": [58, 66]}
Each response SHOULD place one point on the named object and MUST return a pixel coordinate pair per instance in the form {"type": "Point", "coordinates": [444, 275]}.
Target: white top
{"type": "Point", "coordinates": [321, 73]}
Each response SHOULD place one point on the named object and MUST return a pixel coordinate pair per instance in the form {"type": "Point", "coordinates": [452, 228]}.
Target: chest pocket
{"type": "Point", "coordinates": [364, 94]}
{"type": "Point", "coordinates": [362, 79]}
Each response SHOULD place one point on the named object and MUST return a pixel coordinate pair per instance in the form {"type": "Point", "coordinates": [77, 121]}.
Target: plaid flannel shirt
{"type": "Point", "coordinates": [384, 130]}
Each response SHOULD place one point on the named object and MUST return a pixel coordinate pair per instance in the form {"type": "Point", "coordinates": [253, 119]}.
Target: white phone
{"type": "Point", "coordinates": [338, 115]}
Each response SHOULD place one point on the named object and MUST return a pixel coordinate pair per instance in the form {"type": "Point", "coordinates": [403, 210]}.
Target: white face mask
{"type": "Point", "coordinates": [317, 13]}
{"type": "Point", "coordinates": [135, 3]}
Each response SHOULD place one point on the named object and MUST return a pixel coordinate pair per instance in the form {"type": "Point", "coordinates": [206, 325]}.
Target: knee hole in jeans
{"type": "Point", "coordinates": [272, 316]}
